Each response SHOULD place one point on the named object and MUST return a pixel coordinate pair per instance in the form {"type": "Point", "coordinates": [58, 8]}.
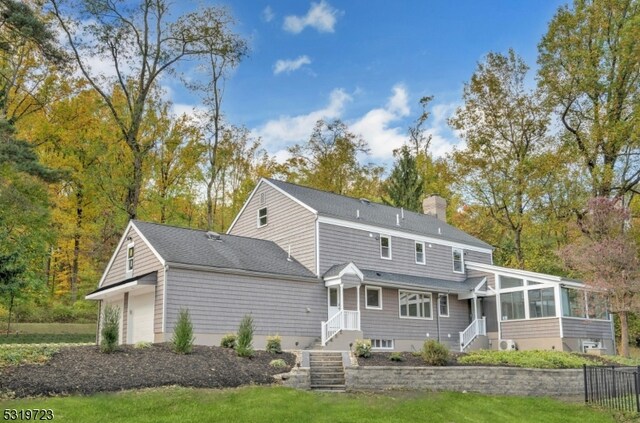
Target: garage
{"type": "Point", "coordinates": [140, 323]}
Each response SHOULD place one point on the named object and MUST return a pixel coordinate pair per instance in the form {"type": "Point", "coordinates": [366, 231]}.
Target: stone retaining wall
{"type": "Point", "coordinates": [298, 378]}
{"type": "Point", "coordinates": [486, 380]}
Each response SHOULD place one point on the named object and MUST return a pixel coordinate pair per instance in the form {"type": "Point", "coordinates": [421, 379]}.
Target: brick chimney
{"type": "Point", "coordinates": [435, 206]}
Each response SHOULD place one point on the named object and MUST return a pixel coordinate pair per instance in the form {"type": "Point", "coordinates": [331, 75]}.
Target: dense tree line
{"type": "Point", "coordinates": [82, 150]}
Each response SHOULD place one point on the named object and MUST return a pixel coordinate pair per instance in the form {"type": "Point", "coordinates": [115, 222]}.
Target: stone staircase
{"type": "Point", "coordinates": [327, 371]}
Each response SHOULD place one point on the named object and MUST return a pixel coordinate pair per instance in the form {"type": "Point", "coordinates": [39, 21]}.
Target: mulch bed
{"type": "Point", "coordinates": [85, 370]}
{"type": "Point", "coordinates": [382, 359]}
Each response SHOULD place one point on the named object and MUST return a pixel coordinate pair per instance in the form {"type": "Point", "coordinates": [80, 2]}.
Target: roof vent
{"type": "Point", "coordinates": [357, 213]}
{"type": "Point", "coordinates": [213, 236]}
{"type": "Point", "coordinates": [365, 201]}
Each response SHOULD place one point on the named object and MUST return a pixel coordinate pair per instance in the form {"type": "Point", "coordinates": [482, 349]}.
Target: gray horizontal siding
{"type": "Point", "coordinates": [288, 224]}
{"type": "Point", "coordinates": [477, 257]}
{"type": "Point", "coordinates": [144, 261]}
{"type": "Point", "coordinates": [584, 328]}
{"type": "Point", "coordinates": [491, 278]}
{"type": "Point", "coordinates": [387, 324]}
{"type": "Point", "coordinates": [339, 244]}
{"type": "Point", "coordinates": [534, 328]}
{"type": "Point", "coordinates": [217, 303]}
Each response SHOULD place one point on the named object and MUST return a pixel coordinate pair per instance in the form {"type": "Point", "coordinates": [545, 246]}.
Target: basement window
{"type": "Point", "coordinates": [382, 344]}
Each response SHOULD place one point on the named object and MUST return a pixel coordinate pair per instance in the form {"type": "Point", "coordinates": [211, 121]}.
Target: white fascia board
{"type": "Point", "coordinates": [115, 253]}
{"type": "Point", "coordinates": [285, 193]}
{"type": "Point", "coordinates": [533, 276]}
{"type": "Point", "coordinates": [146, 241]}
{"type": "Point", "coordinates": [244, 206]}
{"type": "Point", "coordinates": [476, 289]}
{"type": "Point", "coordinates": [399, 234]}
{"type": "Point", "coordinates": [351, 269]}
{"type": "Point", "coordinates": [109, 292]}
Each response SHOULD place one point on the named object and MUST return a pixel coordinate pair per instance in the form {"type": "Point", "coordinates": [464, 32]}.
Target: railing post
{"type": "Point", "coordinates": [637, 380]}
{"type": "Point", "coordinates": [586, 393]}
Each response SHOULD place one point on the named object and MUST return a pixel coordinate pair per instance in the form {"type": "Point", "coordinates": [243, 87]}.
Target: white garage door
{"type": "Point", "coordinates": [140, 327]}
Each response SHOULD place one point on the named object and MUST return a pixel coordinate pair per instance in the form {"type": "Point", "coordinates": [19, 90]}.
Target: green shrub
{"type": "Point", "coordinates": [183, 333]}
{"type": "Point", "coordinates": [228, 341]}
{"type": "Point", "coordinates": [274, 344]}
{"type": "Point", "coordinates": [11, 355]}
{"type": "Point", "coordinates": [434, 353]}
{"type": "Point", "coordinates": [244, 343]}
{"type": "Point", "coordinates": [142, 345]}
{"type": "Point", "coordinates": [531, 359]}
{"type": "Point", "coordinates": [396, 356]}
{"type": "Point", "coordinates": [363, 348]}
{"type": "Point", "coordinates": [110, 329]}
{"type": "Point", "coordinates": [278, 363]}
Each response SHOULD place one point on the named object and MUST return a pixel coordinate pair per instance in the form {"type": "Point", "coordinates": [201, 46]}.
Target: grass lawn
{"type": "Point", "coordinates": [277, 404]}
{"type": "Point", "coordinates": [49, 333]}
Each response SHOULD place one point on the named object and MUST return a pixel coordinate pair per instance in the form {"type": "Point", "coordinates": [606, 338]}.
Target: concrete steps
{"type": "Point", "coordinates": [327, 371]}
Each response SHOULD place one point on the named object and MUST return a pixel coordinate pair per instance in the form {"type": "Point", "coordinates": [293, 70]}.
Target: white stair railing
{"type": "Point", "coordinates": [477, 328]}
{"type": "Point", "coordinates": [342, 320]}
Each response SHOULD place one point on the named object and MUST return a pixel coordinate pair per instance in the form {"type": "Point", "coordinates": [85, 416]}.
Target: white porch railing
{"type": "Point", "coordinates": [342, 320]}
{"type": "Point", "coordinates": [477, 328]}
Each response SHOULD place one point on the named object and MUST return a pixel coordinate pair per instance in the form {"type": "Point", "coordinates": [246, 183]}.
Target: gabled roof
{"type": "Point", "coordinates": [197, 248]}
{"type": "Point", "coordinates": [347, 208]}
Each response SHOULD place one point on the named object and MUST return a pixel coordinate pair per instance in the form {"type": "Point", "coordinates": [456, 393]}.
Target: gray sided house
{"type": "Point", "coordinates": [322, 270]}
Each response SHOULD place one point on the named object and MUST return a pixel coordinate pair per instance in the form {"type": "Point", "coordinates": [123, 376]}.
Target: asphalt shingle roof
{"type": "Point", "coordinates": [417, 281]}
{"type": "Point", "coordinates": [345, 208]}
{"type": "Point", "coordinates": [194, 247]}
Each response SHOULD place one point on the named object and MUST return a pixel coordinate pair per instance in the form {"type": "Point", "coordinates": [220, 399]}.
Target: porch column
{"type": "Point", "coordinates": [475, 307]}
{"type": "Point", "coordinates": [358, 304]}
{"type": "Point", "coordinates": [341, 297]}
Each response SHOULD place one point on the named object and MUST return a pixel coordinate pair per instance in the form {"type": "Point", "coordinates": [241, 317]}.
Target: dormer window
{"type": "Point", "coordinates": [385, 247]}
{"type": "Point", "coordinates": [130, 253]}
{"type": "Point", "coordinates": [262, 217]}
{"type": "Point", "coordinates": [458, 260]}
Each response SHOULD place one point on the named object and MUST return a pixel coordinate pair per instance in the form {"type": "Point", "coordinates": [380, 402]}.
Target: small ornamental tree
{"type": "Point", "coordinates": [244, 342]}
{"type": "Point", "coordinates": [183, 333]}
{"type": "Point", "coordinates": [110, 329]}
{"type": "Point", "coordinates": [607, 258]}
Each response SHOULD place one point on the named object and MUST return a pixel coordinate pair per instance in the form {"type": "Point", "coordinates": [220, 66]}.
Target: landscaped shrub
{"type": "Point", "coordinates": [274, 344]}
{"type": "Point", "coordinates": [142, 345]}
{"type": "Point", "coordinates": [244, 343]}
{"type": "Point", "coordinates": [110, 329]}
{"type": "Point", "coordinates": [396, 356]}
{"type": "Point", "coordinates": [183, 333]}
{"type": "Point", "coordinates": [434, 353]}
{"type": "Point", "coordinates": [278, 363]}
{"type": "Point", "coordinates": [530, 359]}
{"type": "Point", "coordinates": [228, 341]}
{"type": "Point", "coordinates": [363, 348]}
{"type": "Point", "coordinates": [11, 355]}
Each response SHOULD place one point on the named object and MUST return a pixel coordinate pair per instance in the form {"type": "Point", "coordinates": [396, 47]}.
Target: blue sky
{"type": "Point", "coordinates": [367, 63]}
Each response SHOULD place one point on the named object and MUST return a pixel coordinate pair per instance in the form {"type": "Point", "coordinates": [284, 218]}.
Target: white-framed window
{"type": "Point", "coordinates": [382, 344]}
{"type": "Point", "coordinates": [458, 260]}
{"type": "Point", "coordinates": [385, 247]}
{"type": "Point", "coordinates": [443, 305]}
{"type": "Point", "coordinates": [262, 217]}
{"type": "Point", "coordinates": [541, 303]}
{"type": "Point", "coordinates": [420, 258]}
{"type": "Point", "coordinates": [507, 282]}
{"type": "Point", "coordinates": [130, 254]}
{"type": "Point", "coordinates": [415, 305]}
{"type": "Point", "coordinates": [373, 297]}
{"type": "Point", "coordinates": [512, 305]}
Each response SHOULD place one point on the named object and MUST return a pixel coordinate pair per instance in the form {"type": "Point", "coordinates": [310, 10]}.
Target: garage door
{"type": "Point", "coordinates": [140, 328]}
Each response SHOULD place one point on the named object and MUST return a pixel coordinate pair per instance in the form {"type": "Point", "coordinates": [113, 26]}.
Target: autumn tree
{"type": "Point", "coordinates": [140, 44]}
{"type": "Point", "coordinates": [404, 184]}
{"type": "Point", "coordinates": [329, 161]}
{"type": "Point", "coordinates": [607, 258]}
{"type": "Point", "coordinates": [505, 129]}
{"type": "Point", "coordinates": [590, 71]}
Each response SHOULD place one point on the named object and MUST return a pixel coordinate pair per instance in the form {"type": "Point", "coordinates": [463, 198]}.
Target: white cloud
{"type": "Point", "coordinates": [444, 139]}
{"type": "Point", "coordinates": [290, 65]}
{"type": "Point", "coordinates": [376, 126]}
{"type": "Point", "coordinates": [321, 16]}
{"type": "Point", "coordinates": [279, 133]}
{"type": "Point", "coordinates": [268, 14]}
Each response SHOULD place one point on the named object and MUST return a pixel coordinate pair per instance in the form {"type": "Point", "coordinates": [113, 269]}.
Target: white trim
{"type": "Point", "coordinates": [534, 276]}
{"type": "Point", "coordinates": [586, 318]}
{"type": "Point", "coordinates": [440, 294]}
{"type": "Point", "coordinates": [244, 206]}
{"type": "Point", "coordinates": [382, 348]}
{"type": "Point", "coordinates": [414, 317]}
{"type": "Point", "coordinates": [366, 298]}
{"type": "Point", "coordinates": [399, 234]}
{"type": "Point", "coordinates": [164, 298]}
{"type": "Point", "coordinates": [120, 289]}
{"type": "Point", "coordinates": [424, 253]}
{"type": "Point", "coordinates": [129, 272]}
{"type": "Point", "coordinates": [130, 225]}
{"type": "Point", "coordinates": [258, 217]}
{"type": "Point", "coordinates": [453, 260]}
{"type": "Point", "coordinates": [317, 248]}
{"type": "Point", "coordinates": [380, 242]}
{"type": "Point", "coordinates": [312, 210]}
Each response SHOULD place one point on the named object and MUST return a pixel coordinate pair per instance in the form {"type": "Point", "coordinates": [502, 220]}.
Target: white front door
{"type": "Point", "coordinates": [140, 324]}
{"type": "Point", "coordinates": [335, 301]}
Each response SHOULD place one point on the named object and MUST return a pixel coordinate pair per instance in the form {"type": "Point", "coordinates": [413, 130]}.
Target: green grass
{"type": "Point", "coordinates": [531, 359]}
{"type": "Point", "coordinates": [276, 404]}
{"type": "Point", "coordinates": [47, 328]}
{"type": "Point", "coordinates": [49, 333]}
{"type": "Point", "coordinates": [26, 354]}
